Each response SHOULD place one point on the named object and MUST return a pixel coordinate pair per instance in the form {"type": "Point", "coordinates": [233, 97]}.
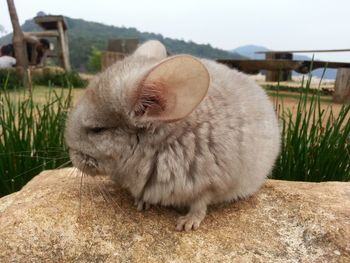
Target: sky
{"type": "Point", "coordinates": [226, 24]}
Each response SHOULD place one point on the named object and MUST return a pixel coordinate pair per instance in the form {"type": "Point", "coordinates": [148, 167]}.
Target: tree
{"type": "Point", "coordinates": [19, 46]}
{"type": "Point", "coordinates": [94, 63]}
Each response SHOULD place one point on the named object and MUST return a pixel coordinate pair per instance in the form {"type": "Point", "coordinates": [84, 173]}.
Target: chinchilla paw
{"type": "Point", "coordinates": [188, 222]}
{"type": "Point", "coordinates": [142, 205]}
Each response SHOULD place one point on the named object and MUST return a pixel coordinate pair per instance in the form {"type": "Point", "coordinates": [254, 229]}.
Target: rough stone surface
{"type": "Point", "coordinates": [54, 219]}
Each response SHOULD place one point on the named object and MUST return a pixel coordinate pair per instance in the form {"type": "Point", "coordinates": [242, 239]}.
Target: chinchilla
{"type": "Point", "coordinates": [175, 131]}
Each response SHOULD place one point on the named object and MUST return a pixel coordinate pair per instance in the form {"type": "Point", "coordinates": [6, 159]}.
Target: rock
{"type": "Point", "coordinates": [55, 219]}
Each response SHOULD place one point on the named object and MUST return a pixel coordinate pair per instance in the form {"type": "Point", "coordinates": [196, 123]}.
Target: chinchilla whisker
{"type": "Point", "coordinates": [101, 191]}
{"type": "Point", "coordinates": [114, 202]}
{"type": "Point", "coordinates": [33, 152]}
{"type": "Point", "coordinates": [81, 191]}
{"type": "Point", "coordinates": [90, 191]}
{"type": "Point", "coordinates": [72, 171]}
{"type": "Point", "coordinates": [108, 197]}
{"type": "Point", "coordinates": [34, 168]}
{"type": "Point", "coordinates": [42, 150]}
{"type": "Point", "coordinates": [64, 164]}
{"type": "Point", "coordinates": [105, 191]}
{"type": "Point", "coordinates": [55, 147]}
{"type": "Point", "coordinates": [42, 157]}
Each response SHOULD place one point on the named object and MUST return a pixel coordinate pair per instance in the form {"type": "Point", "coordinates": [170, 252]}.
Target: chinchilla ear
{"type": "Point", "coordinates": [151, 49]}
{"type": "Point", "coordinates": [172, 89]}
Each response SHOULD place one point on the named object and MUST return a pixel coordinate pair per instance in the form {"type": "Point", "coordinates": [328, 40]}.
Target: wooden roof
{"type": "Point", "coordinates": [303, 51]}
{"type": "Point", "coordinates": [50, 22]}
{"type": "Point", "coordinates": [301, 66]}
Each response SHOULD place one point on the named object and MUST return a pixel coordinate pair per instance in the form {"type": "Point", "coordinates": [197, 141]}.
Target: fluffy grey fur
{"type": "Point", "coordinates": [223, 150]}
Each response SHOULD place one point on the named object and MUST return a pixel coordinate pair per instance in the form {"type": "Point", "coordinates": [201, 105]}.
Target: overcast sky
{"type": "Point", "coordinates": [226, 24]}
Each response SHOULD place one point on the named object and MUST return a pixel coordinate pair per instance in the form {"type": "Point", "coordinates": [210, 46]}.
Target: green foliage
{"type": "Point", "coordinates": [94, 64]}
{"type": "Point", "coordinates": [9, 78]}
{"type": "Point", "coordinates": [64, 79]}
{"type": "Point", "coordinates": [315, 142]}
{"type": "Point", "coordinates": [31, 137]}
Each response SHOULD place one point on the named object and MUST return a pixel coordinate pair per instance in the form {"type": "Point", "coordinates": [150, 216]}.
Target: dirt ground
{"type": "Point", "coordinates": [295, 82]}
{"type": "Point", "coordinates": [292, 104]}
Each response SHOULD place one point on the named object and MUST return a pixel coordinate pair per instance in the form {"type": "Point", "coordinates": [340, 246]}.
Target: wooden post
{"type": "Point", "coordinates": [31, 41]}
{"type": "Point", "coordinates": [19, 46]}
{"type": "Point", "coordinates": [67, 50]}
{"type": "Point", "coordinates": [41, 34]}
{"type": "Point", "coordinates": [342, 86]}
{"type": "Point", "coordinates": [65, 54]}
{"type": "Point", "coordinates": [280, 75]}
{"type": "Point", "coordinates": [123, 45]}
{"type": "Point", "coordinates": [109, 58]}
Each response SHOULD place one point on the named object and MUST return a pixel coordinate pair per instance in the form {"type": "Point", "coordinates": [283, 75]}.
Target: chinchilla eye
{"type": "Point", "coordinates": [97, 129]}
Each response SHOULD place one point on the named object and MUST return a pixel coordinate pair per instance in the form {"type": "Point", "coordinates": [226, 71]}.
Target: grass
{"type": "Point", "coordinates": [31, 136]}
{"type": "Point", "coordinates": [315, 141]}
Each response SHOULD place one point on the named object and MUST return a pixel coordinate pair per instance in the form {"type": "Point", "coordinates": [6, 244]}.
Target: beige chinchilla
{"type": "Point", "coordinates": [176, 131]}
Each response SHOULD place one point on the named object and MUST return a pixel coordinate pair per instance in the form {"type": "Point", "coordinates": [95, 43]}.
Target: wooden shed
{"type": "Point", "coordinates": [53, 27]}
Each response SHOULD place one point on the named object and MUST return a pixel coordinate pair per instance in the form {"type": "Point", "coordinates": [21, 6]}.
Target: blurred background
{"type": "Point", "coordinates": [241, 27]}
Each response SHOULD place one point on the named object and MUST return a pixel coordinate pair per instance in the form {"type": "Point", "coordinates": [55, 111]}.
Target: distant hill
{"type": "Point", "coordinates": [84, 35]}
{"type": "Point", "coordinates": [249, 51]}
